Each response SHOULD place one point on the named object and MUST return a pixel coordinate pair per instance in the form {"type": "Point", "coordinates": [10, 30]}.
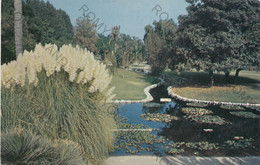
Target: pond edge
{"type": "Point", "coordinates": [187, 100]}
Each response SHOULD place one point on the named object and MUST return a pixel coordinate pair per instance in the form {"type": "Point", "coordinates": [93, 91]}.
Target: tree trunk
{"type": "Point", "coordinates": [155, 71]}
{"type": "Point", "coordinates": [227, 73]}
{"type": "Point", "coordinates": [236, 75]}
{"type": "Point", "coordinates": [211, 78]}
{"type": "Point", "coordinates": [18, 27]}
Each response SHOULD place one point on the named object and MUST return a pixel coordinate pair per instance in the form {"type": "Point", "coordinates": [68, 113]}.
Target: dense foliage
{"type": "Point", "coordinates": [86, 34]}
{"type": "Point", "coordinates": [157, 41]}
{"type": "Point", "coordinates": [130, 50]}
{"type": "Point", "coordinates": [121, 51]}
{"type": "Point", "coordinates": [42, 23]}
{"type": "Point", "coordinates": [218, 35]}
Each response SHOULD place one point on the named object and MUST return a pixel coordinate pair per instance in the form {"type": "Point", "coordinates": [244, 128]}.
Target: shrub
{"type": "Point", "coordinates": [21, 147]}
{"type": "Point", "coordinates": [60, 100]}
{"type": "Point", "coordinates": [67, 152]}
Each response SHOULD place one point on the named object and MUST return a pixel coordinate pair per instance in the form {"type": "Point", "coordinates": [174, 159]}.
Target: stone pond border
{"type": "Point", "coordinates": [149, 97]}
{"type": "Point", "coordinates": [187, 100]}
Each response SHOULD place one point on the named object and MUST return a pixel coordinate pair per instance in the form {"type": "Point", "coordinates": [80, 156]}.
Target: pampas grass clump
{"type": "Point", "coordinates": [60, 100]}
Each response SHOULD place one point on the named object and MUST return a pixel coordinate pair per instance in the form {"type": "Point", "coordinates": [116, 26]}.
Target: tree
{"type": "Point", "coordinates": [158, 41]}
{"type": "Point", "coordinates": [137, 50]}
{"type": "Point", "coordinates": [130, 50]}
{"type": "Point", "coordinates": [18, 27]}
{"type": "Point", "coordinates": [246, 23]}
{"type": "Point", "coordinates": [86, 33]}
{"type": "Point", "coordinates": [217, 36]}
{"type": "Point", "coordinates": [124, 49]}
{"type": "Point", "coordinates": [47, 24]}
{"type": "Point", "coordinates": [8, 52]}
{"type": "Point", "coordinates": [156, 51]}
{"type": "Point", "coordinates": [104, 46]}
{"type": "Point", "coordinates": [120, 49]}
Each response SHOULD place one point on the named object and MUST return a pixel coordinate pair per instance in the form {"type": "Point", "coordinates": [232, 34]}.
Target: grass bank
{"type": "Point", "coordinates": [246, 90]}
{"type": "Point", "coordinates": [130, 85]}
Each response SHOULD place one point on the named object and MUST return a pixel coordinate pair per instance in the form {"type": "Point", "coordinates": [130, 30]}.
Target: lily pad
{"type": "Point", "coordinates": [159, 117]}
{"type": "Point", "coordinates": [202, 115]}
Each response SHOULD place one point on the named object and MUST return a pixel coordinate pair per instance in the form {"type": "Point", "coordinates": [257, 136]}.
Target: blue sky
{"type": "Point", "coordinates": [131, 15]}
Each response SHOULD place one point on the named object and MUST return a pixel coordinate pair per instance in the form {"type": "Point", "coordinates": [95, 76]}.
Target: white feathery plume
{"type": "Point", "coordinates": [49, 58]}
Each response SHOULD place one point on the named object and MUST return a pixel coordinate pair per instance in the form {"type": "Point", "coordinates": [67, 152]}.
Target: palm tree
{"type": "Point", "coordinates": [115, 34]}
{"type": "Point", "coordinates": [18, 27]}
{"type": "Point", "coordinates": [114, 38]}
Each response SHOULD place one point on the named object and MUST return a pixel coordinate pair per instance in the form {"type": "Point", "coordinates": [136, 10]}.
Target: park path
{"type": "Point", "coordinates": [181, 160]}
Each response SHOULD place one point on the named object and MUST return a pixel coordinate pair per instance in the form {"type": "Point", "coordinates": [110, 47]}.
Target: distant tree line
{"type": "Point", "coordinates": [42, 23]}
{"type": "Point", "coordinates": [214, 36]}
{"type": "Point", "coordinates": [119, 49]}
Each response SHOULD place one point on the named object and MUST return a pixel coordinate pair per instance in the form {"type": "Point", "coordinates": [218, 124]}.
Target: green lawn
{"type": "Point", "coordinates": [246, 90]}
{"type": "Point", "coordinates": [130, 85]}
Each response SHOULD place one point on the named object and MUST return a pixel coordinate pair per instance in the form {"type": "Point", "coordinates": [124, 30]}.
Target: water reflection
{"type": "Point", "coordinates": [184, 130]}
{"type": "Point", "coordinates": [157, 107]}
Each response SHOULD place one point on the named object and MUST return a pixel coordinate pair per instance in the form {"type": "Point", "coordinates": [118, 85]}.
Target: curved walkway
{"type": "Point", "coordinates": [149, 97]}
{"type": "Point", "coordinates": [181, 160]}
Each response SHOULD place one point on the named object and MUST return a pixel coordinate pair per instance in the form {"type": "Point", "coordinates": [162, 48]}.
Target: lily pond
{"type": "Point", "coordinates": [168, 129]}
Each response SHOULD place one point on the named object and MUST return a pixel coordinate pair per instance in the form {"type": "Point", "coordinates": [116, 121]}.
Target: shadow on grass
{"type": "Point", "coordinates": [201, 79]}
{"type": "Point", "coordinates": [150, 79]}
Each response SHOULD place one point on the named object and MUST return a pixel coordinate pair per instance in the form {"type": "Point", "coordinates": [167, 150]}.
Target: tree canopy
{"type": "Point", "coordinates": [86, 34]}
{"type": "Point", "coordinates": [218, 35]}
{"type": "Point", "coordinates": [158, 39]}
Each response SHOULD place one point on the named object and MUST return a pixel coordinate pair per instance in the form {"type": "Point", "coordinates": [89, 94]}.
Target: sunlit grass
{"type": "Point", "coordinates": [247, 89]}
{"type": "Point", "coordinates": [130, 85]}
